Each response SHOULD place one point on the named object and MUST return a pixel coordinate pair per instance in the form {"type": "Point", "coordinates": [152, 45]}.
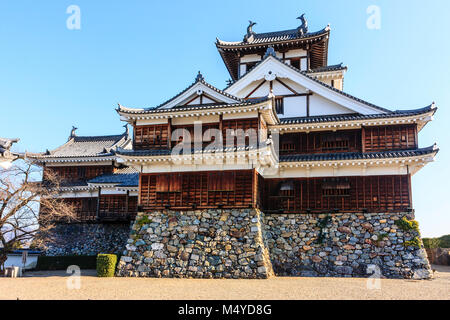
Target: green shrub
{"type": "Point", "coordinates": [142, 221]}
{"type": "Point", "coordinates": [106, 265]}
{"type": "Point", "coordinates": [407, 225]}
{"type": "Point", "coordinates": [63, 262]}
{"type": "Point", "coordinates": [441, 242]}
{"type": "Point", "coordinates": [415, 242]}
{"type": "Point", "coordinates": [431, 243]}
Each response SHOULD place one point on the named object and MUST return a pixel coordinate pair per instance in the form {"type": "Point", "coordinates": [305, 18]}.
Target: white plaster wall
{"type": "Point", "coordinates": [192, 119]}
{"type": "Point", "coordinates": [296, 53]}
{"type": "Point", "coordinates": [294, 107]}
{"type": "Point", "coordinates": [151, 121]}
{"type": "Point", "coordinates": [250, 58]}
{"type": "Point", "coordinates": [320, 106]}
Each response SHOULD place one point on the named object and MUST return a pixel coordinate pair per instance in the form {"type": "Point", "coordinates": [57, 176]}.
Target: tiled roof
{"type": "Point", "coordinates": [335, 67]}
{"type": "Point", "coordinates": [272, 37]}
{"type": "Point", "coordinates": [5, 145]}
{"type": "Point", "coordinates": [358, 156]}
{"type": "Point", "coordinates": [87, 146]}
{"type": "Point", "coordinates": [191, 107]}
{"type": "Point", "coordinates": [166, 152]}
{"type": "Point", "coordinates": [73, 184]}
{"type": "Point", "coordinates": [127, 177]}
{"type": "Point", "coordinates": [356, 116]}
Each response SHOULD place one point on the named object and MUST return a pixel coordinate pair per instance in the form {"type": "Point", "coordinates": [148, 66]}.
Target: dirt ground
{"type": "Point", "coordinates": [55, 285]}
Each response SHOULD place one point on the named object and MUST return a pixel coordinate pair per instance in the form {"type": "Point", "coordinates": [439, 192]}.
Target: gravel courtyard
{"type": "Point", "coordinates": [53, 285]}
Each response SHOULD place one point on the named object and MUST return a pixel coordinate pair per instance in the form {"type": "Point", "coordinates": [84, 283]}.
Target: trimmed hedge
{"type": "Point", "coordinates": [441, 242]}
{"type": "Point", "coordinates": [63, 262]}
{"type": "Point", "coordinates": [106, 265]}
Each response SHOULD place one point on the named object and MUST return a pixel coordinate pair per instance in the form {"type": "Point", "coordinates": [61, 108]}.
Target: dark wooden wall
{"type": "Point", "coordinates": [110, 208]}
{"type": "Point", "coordinates": [114, 207]}
{"type": "Point", "coordinates": [85, 208]}
{"type": "Point", "coordinates": [349, 194]}
{"type": "Point", "coordinates": [79, 173]}
{"type": "Point", "coordinates": [367, 139]}
{"type": "Point", "coordinates": [239, 124]}
{"type": "Point", "coordinates": [321, 142]}
{"type": "Point", "coordinates": [158, 136]}
{"type": "Point", "coordinates": [151, 136]}
{"type": "Point", "coordinates": [389, 138]}
{"type": "Point", "coordinates": [228, 189]}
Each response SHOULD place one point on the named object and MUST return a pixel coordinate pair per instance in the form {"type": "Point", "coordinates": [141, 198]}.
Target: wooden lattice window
{"type": "Point", "coordinates": [279, 105]}
{"type": "Point", "coordinates": [335, 142]}
{"type": "Point", "coordinates": [221, 181]}
{"type": "Point", "coordinates": [151, 136]}
{"type": "Point", "coordinates": [335, 187]}
{"type": "Point", "coordinates": [168, 183]}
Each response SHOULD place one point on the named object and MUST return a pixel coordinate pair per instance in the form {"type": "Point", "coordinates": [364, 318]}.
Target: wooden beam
{"type": "Point", "coordinates": [257, 87]}
{"type": "Point", "coordinates": [286, 86]}
{"type": "Point", "coordinates": [98, 203]}
{"type": "Point", "coordinates": [307, 106]}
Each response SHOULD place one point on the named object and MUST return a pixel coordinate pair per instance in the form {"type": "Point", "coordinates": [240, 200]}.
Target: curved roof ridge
{"type": "Point", "coordinates": [359, 155]}
{"type": "Point", "coordinates": [274, 36]}
{"type": "Point", "coordinates": [356, 116]}
{"type": "Point", "coordinates": [334, 67]}
{"type": "Point", "coordinates": [194, 107]}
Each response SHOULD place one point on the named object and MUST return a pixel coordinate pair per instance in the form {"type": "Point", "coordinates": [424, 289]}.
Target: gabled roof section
{"type": "Point", "coordinates": [97, 147]}
{"type": "Point", "coordinates": [197, 88]}
{"type": "Point", "coordinates": [282, 70]}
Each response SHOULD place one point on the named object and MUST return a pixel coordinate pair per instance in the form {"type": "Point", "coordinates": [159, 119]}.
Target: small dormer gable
{"type": "Point", "coordinates": [199, 93]}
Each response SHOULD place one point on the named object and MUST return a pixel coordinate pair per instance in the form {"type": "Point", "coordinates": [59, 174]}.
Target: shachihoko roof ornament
{"type": "Point", "coordinates": [303, 29]}
{"type": "Point", "coordinates": [73, 133]}
{"type": "Point", "coordinates": [250, 36]}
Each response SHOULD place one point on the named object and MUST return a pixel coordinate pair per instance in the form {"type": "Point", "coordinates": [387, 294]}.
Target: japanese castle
{"type": "Point", "coordinates": [283, 138]}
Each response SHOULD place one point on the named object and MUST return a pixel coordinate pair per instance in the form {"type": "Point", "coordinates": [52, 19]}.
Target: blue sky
{"type": "Point", "coordinates": [140, 53]}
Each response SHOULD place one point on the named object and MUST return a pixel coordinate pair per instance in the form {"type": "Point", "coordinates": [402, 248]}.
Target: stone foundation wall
{"type": "Point", "coordinates": [248, 244]}
{"type": "Point", "coordinates": [88, 239]}
{"type": "Point", "coordinates": [343, 245]}
{"type": "Point", "coordinates": [198, 244]}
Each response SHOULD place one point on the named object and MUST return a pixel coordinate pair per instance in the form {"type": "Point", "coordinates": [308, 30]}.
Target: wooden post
{"type": "Point", "coordinates": [307, 105]}
{"type": "Point", "coordinates": [98, 203]}
{"type": "Point", "coordinates": [363, 140]}
{"type": "Point", "coordinates": [127, 213]}
{"type": "Point", "coordinates": [169, 133]}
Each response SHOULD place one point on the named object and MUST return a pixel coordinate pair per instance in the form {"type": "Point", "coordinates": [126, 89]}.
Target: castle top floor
{"type": "Point", "coordinates": [297, 47]}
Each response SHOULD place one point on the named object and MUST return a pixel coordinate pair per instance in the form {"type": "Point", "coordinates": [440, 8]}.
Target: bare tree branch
{"type": "Point", "coordinates": [29, 207]}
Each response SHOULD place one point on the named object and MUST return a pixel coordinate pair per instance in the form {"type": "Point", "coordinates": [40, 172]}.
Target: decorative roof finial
{"type": "Point", "coordinates": [72, 133]}
{"type": "Point", "coordinates": [303, 29]}
{"type": "Point", "coordinates": [127, 130]}
{"type": "Point", "coordinates": [250, 33]}
{"type": "Point", "coordinates": [199, 77]}
{"type": "Point", "coordinates": [270, 52]}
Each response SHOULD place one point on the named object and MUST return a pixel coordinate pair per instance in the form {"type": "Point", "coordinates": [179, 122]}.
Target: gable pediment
{"type": "Point", "coordinates": [288, 81]}
{"type": "Point", "coordinates": [200, 92]}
